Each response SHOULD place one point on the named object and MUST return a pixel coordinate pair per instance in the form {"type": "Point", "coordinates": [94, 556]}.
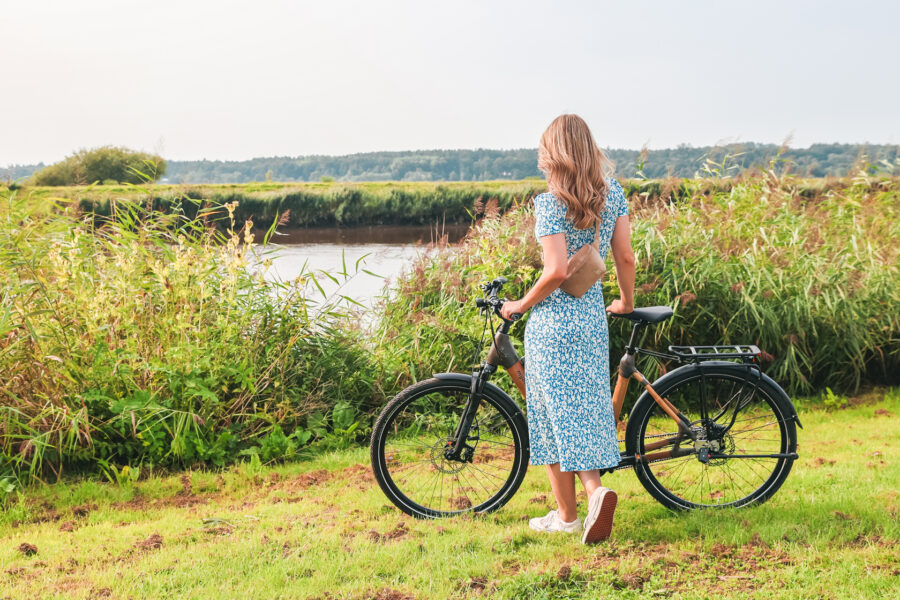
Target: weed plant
{"type": "Point", "coordinates": [811, 278]}
{"type": "Point", "coordinates": [143, 338]}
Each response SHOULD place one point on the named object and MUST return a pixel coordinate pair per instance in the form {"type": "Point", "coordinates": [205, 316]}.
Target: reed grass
{"type": "Point", "coordinates": [811, 278]}
{"type": "Point", "coordinates": [338, 204]}
{"type": "Point", "coordinates": [144, 339]}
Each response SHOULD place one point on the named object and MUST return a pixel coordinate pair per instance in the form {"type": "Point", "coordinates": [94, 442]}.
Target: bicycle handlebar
{"type": "Point", "coordinates": [491, 288]}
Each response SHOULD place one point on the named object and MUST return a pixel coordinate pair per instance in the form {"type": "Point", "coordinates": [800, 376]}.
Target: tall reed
{"type": "Point", "coordinates": [811, 278]}
{"type": "Point", "coordinates": [145, 338]}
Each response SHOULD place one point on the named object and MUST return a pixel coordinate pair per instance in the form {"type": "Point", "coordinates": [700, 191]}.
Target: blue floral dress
{"type": "Point", "coordinates": [570, 414]}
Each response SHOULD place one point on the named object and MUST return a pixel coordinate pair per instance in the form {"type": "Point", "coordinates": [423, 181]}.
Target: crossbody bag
{"type": "Point", "coordinates": [585, 267]}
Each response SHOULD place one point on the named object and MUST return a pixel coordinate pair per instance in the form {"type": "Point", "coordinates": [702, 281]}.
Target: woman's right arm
{"type": "Point", "coordinates": [623, 255]}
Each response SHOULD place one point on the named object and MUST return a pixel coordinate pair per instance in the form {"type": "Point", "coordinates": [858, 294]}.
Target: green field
{"type": "Point", "coordinates": [323, 529]}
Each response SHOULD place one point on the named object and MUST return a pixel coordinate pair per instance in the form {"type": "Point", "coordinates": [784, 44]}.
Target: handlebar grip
{"type": "Point", "coordinates": [516, 316]}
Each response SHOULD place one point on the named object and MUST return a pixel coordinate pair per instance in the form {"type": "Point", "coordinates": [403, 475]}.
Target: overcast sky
{"type": "Point", "coordinates": [233, 80]}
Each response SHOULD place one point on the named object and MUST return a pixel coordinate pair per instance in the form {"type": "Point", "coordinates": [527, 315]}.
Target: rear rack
{"type": "Point", "coordinates": [747, 353]}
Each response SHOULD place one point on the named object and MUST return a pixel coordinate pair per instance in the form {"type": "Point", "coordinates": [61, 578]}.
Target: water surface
{"type": "Point", "coordinates": [384, 250]}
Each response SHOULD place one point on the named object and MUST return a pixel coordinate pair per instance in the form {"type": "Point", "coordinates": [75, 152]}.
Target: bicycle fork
{"type": "Point", "coordinates": [502, 353]}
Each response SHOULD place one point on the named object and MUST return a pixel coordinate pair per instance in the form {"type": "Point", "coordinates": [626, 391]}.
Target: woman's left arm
{"type": "Point", "coordinates": [555, 265]}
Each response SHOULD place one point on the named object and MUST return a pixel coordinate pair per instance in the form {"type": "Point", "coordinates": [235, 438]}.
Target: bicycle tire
{"type": "Point", "coordinates": [681, 487]}
{"type": "Point", "coordinates": [495, 403]}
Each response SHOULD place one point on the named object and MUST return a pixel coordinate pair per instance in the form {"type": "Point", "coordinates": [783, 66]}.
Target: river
{"type": "Point", "coordinates": [384, 250]}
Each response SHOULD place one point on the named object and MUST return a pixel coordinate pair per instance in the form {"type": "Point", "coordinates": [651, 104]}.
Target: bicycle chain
{"type": "Point", "coordinates": [659, 435]}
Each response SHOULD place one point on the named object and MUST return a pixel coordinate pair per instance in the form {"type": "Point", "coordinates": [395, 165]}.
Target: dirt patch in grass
{"type": "Point", "coordinates": [630, 581]}
{"type": "Point", "coordinates": [222, 530]}
{"type": "Point", "coordinates": [307, 480]}
{"type": "Point", "coordinates": [187, 501]}
{"type": "Point", "coordinates": [27, 549]}
{"type": "Point", "coordinates": [187, 485]}
{"type": "Point", "coordinates": [359, 474]}
{"type": "Point", "coordinates": [474, 585]}
{"type": "Point", "coordinates": [47, 513]}
{"type": "Point", "coordinates": [716, 568]}
{"type": "Point", "coordinates": [67, 526]}
{"type": "Point", "coordinates": [400, 531]}
{"type": "Point", "coordinates": [179, 500]}
{"type": "Point", "coordinates": [83, 510]}
{"type": "Point", "coordinates": [154, 542]}
{"type": "Point", "coordinates": [390, 594]}
{"type": "Point", "coordinates": [382, 594]}
{"type": "Point", "coordinates": [460, 502]}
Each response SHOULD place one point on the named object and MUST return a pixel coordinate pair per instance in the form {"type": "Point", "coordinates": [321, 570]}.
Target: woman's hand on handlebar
{"type": "Point", "coordinates": [618, 307]}
{"type": "Point", "coordinates": [510, 307]}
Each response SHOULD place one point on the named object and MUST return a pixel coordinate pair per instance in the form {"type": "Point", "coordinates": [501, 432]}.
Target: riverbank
{"type": "Point", "coordinates": [146, 340]}
{"type": "Point", "coordinates": [338, 204]}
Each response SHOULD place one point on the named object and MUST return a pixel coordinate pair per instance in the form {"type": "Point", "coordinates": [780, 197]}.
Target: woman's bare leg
{"type": "Point", "coordinates": [590, 480]}
{"type": "Point", "coordinates": [563, 484]}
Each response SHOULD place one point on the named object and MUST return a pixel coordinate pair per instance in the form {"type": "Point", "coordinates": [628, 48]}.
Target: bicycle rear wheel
{"type": "Point", "coordinates": [744, 461]}
{"type": "Point", "coordinates": [412, 432]}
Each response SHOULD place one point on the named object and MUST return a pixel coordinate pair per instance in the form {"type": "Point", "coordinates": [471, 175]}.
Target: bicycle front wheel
{"type": "Point", "coordinates": [745, 436]}
{"type": "Point", "coordinates": [414, 429]}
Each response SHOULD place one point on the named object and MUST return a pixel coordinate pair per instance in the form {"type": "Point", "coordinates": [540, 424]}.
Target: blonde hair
{"type": "Point", "coordinates": [576, 169]}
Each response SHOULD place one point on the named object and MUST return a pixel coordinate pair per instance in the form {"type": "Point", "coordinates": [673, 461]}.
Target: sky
{"type": "Point", "coordinates": [194, 79]}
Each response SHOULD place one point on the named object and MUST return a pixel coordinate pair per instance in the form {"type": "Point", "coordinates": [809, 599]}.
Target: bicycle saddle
{"type": "Point", "coordinates": [648, 314]}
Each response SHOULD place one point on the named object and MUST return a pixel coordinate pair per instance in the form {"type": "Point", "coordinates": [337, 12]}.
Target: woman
{"type": "Point", "coordinates": [571, 424]}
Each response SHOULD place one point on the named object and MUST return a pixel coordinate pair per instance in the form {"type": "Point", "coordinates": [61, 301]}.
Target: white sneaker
{"type": "Point", "coordinates": [552, 523]}
{"type": "Point", "coordinates": [599, 519]}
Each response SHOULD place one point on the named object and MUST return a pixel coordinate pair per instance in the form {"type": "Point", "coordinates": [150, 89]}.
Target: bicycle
{"type": "Point", "coordinates": [714, 432]}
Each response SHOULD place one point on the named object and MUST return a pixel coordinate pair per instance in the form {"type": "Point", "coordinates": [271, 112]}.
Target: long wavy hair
{"type": "Point", "coordinates": [576, 169]}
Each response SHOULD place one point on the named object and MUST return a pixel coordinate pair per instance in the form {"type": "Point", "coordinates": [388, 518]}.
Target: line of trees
{"type": "Point", "coordinates": [818, 160]}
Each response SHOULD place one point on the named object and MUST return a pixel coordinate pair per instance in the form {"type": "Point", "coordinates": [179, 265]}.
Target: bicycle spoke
{"type": "Point", "coordinates": [757, 429]}
{"type": "Point", "coordinates": [415, 443]}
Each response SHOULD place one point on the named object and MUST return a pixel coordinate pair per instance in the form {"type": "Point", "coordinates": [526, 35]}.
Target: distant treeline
{"type": "Point", "coordinates": [818, 160]}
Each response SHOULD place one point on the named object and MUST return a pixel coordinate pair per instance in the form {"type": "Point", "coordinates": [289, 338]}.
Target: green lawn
{"type": "Point", "coordinates": [323, 529]}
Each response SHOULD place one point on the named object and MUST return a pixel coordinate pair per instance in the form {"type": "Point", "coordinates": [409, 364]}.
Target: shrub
{"type": "Point", "coordinates": [107, 164]}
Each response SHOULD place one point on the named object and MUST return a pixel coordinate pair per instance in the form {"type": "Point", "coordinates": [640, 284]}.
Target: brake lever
{"type": "Point", "coordinates": [514, 316]}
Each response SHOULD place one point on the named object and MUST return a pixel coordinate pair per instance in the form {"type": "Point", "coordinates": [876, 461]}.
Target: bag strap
{"type": "Point", "coordinates": [596, 242]}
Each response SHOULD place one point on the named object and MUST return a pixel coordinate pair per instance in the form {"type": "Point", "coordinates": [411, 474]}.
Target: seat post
{"type": "Point", "coordinates": [632, 342]}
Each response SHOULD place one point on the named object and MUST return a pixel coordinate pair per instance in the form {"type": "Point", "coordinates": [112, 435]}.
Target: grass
{"type": "Point", "coordinates": [323, 529]}
{"type": "Point", "coordinates": [342, 204]}
{"type": "Point", "coordinates": [307, 204]}
{"type": "Point", "coordinates": [810, 278]}
{"type": "Point", "coordinates": [145, 339]}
